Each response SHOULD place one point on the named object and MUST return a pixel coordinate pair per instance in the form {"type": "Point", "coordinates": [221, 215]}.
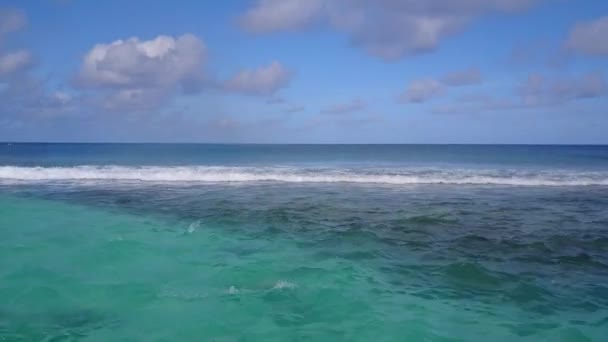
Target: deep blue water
{"type": "Point", "coordinates": [303, 242]}
{"type": "Point", "coordinates": [563, 156]}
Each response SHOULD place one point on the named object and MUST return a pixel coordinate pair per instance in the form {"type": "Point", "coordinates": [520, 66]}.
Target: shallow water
{"type": "Point", "coordinates": [130, 259]}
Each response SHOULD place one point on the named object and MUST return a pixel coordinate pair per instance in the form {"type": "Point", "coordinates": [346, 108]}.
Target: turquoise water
{"type": "Point", "coordinates": [349, 248]}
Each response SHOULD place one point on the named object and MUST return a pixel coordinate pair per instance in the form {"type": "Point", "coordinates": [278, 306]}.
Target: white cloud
{"type": "Point", "coordinates": [462, 78]}
{"type": "Point", "coordinates": [265, 80]}
{"type": "Point", "coordinates": [346, 108]}
{"type": "Point", "coordinates": [11, 62]}
{"type": "Point", "coordinates": [422, 90]}
{"type": "Point", "coordinates": [141, 75]}
{"type": "Point", "coordinates": [590, 37]}
{"type": "Point", "coordinates": [138, 74]}
{"type": "Point", "coordinates": [426, 89]}
{"type": "Point", "coordinates": [272, 15]}
{"type": "Point", "coordinates": [22, 96]}
{"type": "Point", "coordinates": [132, 99]}
{"type": "Point", "coordinates": [161, 62]}
{"type": "Point", "coordinates": [539, 90]}
{"type": "Point", "coordinates": [389, 29]}
{"type": "Point", "coordinates": [26, 98]}
{"type": "Point", "coordinates": [11, 20]}
{"type": "Point", "coordinates": [15, 61]}
{"type": "Point", "coordinates": [536, 90]}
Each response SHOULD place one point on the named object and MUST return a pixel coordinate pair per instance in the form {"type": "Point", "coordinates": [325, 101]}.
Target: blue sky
{"type": "Point", "coordinates": [305, 71]}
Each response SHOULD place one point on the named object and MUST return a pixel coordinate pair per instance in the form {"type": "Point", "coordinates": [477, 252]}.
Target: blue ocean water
{"type": "Point", "coordinates": [555, 156]}
{"type": "Point", "coordinates": [303, 242]}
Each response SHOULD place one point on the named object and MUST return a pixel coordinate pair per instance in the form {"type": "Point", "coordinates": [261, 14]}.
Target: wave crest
{"type": "Point", "coordinates": [395, 176]}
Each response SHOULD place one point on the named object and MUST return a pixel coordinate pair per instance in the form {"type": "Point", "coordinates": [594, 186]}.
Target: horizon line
{"type": "Point", "coordinates": [296, 143]}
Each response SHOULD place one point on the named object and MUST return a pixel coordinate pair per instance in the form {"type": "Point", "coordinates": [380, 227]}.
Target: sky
{"type": "Point", "coordinates": [305, 71]}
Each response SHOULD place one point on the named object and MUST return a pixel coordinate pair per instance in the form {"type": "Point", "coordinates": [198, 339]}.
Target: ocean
{"type": "Point", "coordinates": [203, 242]}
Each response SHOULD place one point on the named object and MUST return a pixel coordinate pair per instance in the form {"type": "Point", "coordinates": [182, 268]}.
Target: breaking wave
{"type": "Point", "coordinates": [306, 175]}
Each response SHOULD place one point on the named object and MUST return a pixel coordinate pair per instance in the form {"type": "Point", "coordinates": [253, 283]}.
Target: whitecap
{"type": "Point", "coordinates": [232, 290]}
{"type": "Point", "coordinates": [193, 226]}
{"type": "Point", "coordinates": [393, 176]}
{"type": "Point", "coordinates": [282, 284]}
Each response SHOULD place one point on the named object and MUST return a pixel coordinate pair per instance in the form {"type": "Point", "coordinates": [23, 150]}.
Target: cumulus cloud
{"type": "Point", "coordinates": [141, 75]}
{"type": "Point", "coordinates": [389, 29]}
{"type": "Point", "coordinates": [462, 78]}
{"type": "Point", "coordinates": [346, 108]}
{"type": "Point", "coordinates": [422, 90]}
{"type": "Point", "coordinates": [136, 74]}
{"type": "Point", "coordinates": [163, 62]}
{"type": "Point", "coordinates": [590, 37]}
{"type": "Point", "coordinates": [265, 80]}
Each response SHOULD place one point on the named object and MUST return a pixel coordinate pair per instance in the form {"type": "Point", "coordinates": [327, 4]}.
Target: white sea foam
{"type": "Point", "coordinates": [193, 226]}
{"type": "Point", "coordinates": [232, 290]}
{"type": "Point", "coordinates": [305, 175]}
{"type": "Point", "coordinates": [282, 284]}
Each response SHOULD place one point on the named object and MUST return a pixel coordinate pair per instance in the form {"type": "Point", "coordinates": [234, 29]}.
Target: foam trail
{"type": "Point", "coordinates": [395, 176]}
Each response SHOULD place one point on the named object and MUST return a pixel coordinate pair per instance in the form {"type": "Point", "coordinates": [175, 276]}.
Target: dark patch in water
{"type": "Point", "coordinates": [76, 319]}
{"type": "Point", "coordinates": [474, 275]}
{"type": "Point", "coordinates": [52, 326]}
{"type": "Point", "coordinates": [424, 220]}
{"type": "Point", "coordinates": [582, 260]}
